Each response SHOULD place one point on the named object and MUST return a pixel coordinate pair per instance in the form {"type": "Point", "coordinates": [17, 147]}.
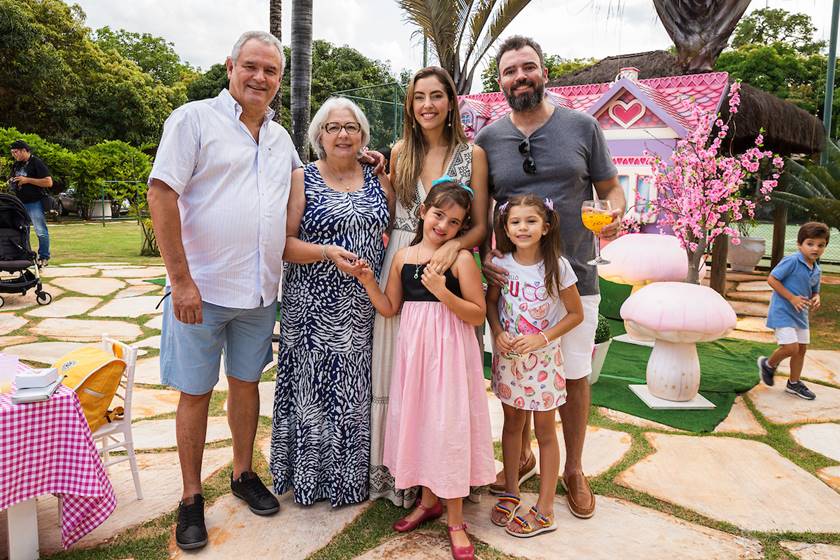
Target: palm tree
{"type": "Point", "coordinates": [814, 188]}
{"type": "Point", "coordinates": [275, 27]}
{"type": "Point", "coordinates": [700, 29]}
{"type": "Point", "coordinates": [301, 77]}
{"type": "Point", "coordinates": [461, 29]}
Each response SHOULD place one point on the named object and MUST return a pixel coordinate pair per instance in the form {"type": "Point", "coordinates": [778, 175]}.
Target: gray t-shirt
{"type": "Point", "coordinates": [570, 153]}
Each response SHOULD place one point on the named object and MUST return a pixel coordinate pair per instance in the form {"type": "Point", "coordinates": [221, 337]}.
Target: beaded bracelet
{"type": "Point", "coordinates": [545, 337]}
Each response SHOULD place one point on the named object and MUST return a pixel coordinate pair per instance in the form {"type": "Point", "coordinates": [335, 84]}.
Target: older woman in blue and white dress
{"type": "Point", "coordinates": [338, 212]}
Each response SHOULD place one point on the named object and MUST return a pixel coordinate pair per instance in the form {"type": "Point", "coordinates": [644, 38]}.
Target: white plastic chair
{"type": "Point", "coordinates": [117, 433]}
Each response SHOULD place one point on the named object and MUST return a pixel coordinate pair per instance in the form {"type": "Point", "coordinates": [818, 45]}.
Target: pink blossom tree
{"type": "Point", "coordinates": [699, 192]}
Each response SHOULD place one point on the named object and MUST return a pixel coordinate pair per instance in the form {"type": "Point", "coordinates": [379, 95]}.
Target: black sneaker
{"type": "Point", "coordinates": [766, 371]}
{"type": "Point", "coordinates": [800, 390]}
{"type": "Point", "coordinates": [190, 533]}
{"type": "Point", "coordinates": [250, 488]}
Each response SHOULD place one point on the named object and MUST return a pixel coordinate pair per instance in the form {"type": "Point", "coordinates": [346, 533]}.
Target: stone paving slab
{"type": "Point", "coordinates": [151, 342]}
{"type": "Point", "coordinates": [93, 264]}
{"type": "Point", "coordinates": [831, 476]}
{"type": "Point", "coordinates": [752, 324]}
{"type": "Point", "coordinates": [746, 483]}
{"type": "Point", "coordinates": [10, 322]}
{"type": "Point", "coordinates": [619, 529]}
{"type": "Point", "coordinates": [155, 323]}
{"type": "Point", "coordinates": [812, 551]}
{"type": "Point", "coordinates": [147, 372]}
{"type": "Point", "coordinates": [761, 297]}
{"type": "Point", "coordinates": [138, 290]}
{"type": "Point", "coordinates": [117, 266]}
{"type": "Point", "coordinates": [129, 307]}
{"type": "Point", "coordinates": [828, 362]}
{"type": "Point", "coordinates": [68, 306]}
{"type": "Point", "coordinates": [603, 449]}
{"type": "Point", "coordinates": [42, 352]}
{"type": "Point", "coordinates": [821, 438]}
{"type": "Point", "coordinates": [137, 281]}
{"type": "Point", "coordinates": [149, 272]}
{"type": "Point", "coordinates": [90, 286]}
{"type": "Point", "coordinates": [754, 286]}
{"type": "Point", "coordinates": [750, 308]}
{"type": "Point", "coordinates": [293, 533]}
{"type": "Point", "coordinates": [160, 480]}
{"type": "Point", "coordinates": [14, 340]}
{"type": "Point", "coordinates": [814, 369]}
{"type": "Point", "coordinates": [417, 545]}
{"type": "Point", "coordinates": [160, 434]}
{"type": "Point", "coordinates": [16, 302]}
{"type": "Point", "coordinates": [741, 420]}
{"type": "Point", "coordinates": [82, 330]}
{"type": "Point", "coordinates": [151, 402]}
{"type": "Point", "coordinates": [66, 271]}
{"type": "Point", "coordinates": [266, 389]}
{"type": "Point", "coordinates": [766, 338]}
{"type": "Point", "coordinates": [626, 418]}
{"type": "Point", "coordinates": [780, 407]}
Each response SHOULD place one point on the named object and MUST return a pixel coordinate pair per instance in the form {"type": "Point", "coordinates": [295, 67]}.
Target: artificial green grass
{"type": "Point", "coordinates": [727, 368]}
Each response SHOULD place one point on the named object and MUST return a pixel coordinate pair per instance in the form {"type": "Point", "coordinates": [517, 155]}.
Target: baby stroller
{"type": "Point", "coordinates": [16, 255]}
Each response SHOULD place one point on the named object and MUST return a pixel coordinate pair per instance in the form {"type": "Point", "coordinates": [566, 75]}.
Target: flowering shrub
{"type": "Point", "coordinates": [699, 192]}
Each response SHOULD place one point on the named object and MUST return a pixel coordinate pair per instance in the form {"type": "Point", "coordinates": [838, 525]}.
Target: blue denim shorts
{"type": "Point", "coordinates": [190, 354]}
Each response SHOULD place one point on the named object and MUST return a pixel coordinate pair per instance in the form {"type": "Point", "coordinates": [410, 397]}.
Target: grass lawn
{"type": "Point", "coordinates": [92, 242]}
{"type": "Point", "coordinates": [825, 323]}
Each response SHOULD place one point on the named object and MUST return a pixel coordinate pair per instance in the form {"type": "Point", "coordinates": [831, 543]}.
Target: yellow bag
{"type": "Point", "coordinates": [94, 375]}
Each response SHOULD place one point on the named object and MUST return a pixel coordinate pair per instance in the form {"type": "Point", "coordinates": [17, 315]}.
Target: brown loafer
{"type": "Point", "coordinates": [579, 496]}
{"type": "Point", "coordinates": [526, 471]}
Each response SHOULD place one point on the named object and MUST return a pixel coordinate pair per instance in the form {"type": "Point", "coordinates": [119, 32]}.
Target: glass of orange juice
{"type": "Point", "coordinates": [595, 214]}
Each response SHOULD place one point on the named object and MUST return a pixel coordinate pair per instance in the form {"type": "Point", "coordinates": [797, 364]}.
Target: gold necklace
{"type": "Point", "coordinates": [339, 178]}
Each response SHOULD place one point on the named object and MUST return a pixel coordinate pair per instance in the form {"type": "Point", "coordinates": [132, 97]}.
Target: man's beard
{"type": "Point", "coordinates": [525, 101]}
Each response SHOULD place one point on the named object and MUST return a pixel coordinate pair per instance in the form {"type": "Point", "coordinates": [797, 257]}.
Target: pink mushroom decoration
{"type": "Point", "coordinates": [676, 315]}
{"type": "Point", "coordinates": [638, 259]}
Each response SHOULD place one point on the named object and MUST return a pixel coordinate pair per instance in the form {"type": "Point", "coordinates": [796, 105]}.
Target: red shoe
{"type": "Point", "coordinates": [429, 513]}
{"type": "Point", "coordinates": [460, 552]}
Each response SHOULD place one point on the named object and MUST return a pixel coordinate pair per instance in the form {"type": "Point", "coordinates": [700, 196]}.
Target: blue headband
{"type": "Point", "coordinates": [453, 180]}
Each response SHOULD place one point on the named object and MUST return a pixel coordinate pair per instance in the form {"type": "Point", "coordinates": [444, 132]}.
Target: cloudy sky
{"type": "Point", "coordinates": [203, 31]}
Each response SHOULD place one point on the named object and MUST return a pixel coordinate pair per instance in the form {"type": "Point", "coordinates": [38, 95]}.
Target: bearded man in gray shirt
{"type": "Point", "coordinates": [559, 154]}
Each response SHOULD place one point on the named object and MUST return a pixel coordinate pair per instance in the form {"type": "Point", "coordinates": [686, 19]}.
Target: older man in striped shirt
{"type": "Point", "coordinates": [217, 194]}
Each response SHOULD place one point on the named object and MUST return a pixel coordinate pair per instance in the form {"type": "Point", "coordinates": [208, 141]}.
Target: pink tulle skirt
{"type": "Point", "coordinates": [438, 428]}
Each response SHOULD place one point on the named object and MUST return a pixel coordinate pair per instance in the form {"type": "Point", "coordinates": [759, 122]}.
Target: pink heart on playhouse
{"type": "Point", "coordinates": [626, 114]}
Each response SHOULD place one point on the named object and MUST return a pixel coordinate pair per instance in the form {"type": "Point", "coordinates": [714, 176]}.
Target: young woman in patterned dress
{"type": "Point", "coordinates": [433, 144]}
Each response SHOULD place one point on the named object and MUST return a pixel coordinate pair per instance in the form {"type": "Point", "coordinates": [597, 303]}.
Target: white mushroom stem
{"type": "Point", "coordinates": [673, 370]}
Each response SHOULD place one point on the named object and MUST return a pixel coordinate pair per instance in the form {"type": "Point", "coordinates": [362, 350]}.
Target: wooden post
{"type": "Point", "coordinates": [717, 280]}
{"type": "Point", "coordinates": [779, 227]}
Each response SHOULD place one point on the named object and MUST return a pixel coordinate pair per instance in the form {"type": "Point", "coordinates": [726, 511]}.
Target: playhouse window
{"type": "Point", "coordinates": [624, 181]}
{"type": "Point", "coordinates": [643, 188]}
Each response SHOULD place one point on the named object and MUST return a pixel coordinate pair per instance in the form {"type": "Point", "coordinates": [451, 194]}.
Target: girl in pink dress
{"type": "Point", "coordinates": [539, 304]}
{"type": "Point", "coordinates": [437, 433]}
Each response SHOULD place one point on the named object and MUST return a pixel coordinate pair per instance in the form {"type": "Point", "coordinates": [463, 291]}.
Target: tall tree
{"type": "Point", "coordinates": [301, 73]}
{"type": "Point", "coordinates": [461, 31]}
{"type": "Point", "coordinates": [700, 29]}
{"type": "Point", "coordinates": [154, 55]}
{"type": "Point", "coordinates": [775, 25]}
{"type": "Point", "coordinates": [275, 27]}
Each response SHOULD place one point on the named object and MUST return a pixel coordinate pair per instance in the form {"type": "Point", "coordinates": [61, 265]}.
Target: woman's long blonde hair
{"type": "Point", "coordinates": [412, 153]}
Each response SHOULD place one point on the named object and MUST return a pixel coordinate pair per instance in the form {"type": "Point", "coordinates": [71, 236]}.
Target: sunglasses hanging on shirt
{"type": "Point", "coordinates": [529, 166]}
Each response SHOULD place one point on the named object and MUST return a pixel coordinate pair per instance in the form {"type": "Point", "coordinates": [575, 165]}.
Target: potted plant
{"type": "Point", "coordinates": [745, 255]}
{"type": "Point", "coordinates": [603, 339]}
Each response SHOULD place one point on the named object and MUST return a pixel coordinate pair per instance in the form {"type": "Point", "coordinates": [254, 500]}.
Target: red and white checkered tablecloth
{"type": "Point", "coordinates": [46, 448]}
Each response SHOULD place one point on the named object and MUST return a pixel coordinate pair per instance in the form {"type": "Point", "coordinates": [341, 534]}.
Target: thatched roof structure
{"type": "Point", "coordinates": [787, 128]}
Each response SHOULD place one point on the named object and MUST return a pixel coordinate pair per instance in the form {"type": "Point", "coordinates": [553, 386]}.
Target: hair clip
{"type": "Point", "coordinates": [503, 206]}
{"type": "Point", "coordinates": [448, 179]}
{"type": "Point", "coordinates": [549, 204]}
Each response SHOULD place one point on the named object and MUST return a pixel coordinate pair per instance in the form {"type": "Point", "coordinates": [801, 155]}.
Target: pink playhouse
{"type": "Point", "coordinates": [636, 115]}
